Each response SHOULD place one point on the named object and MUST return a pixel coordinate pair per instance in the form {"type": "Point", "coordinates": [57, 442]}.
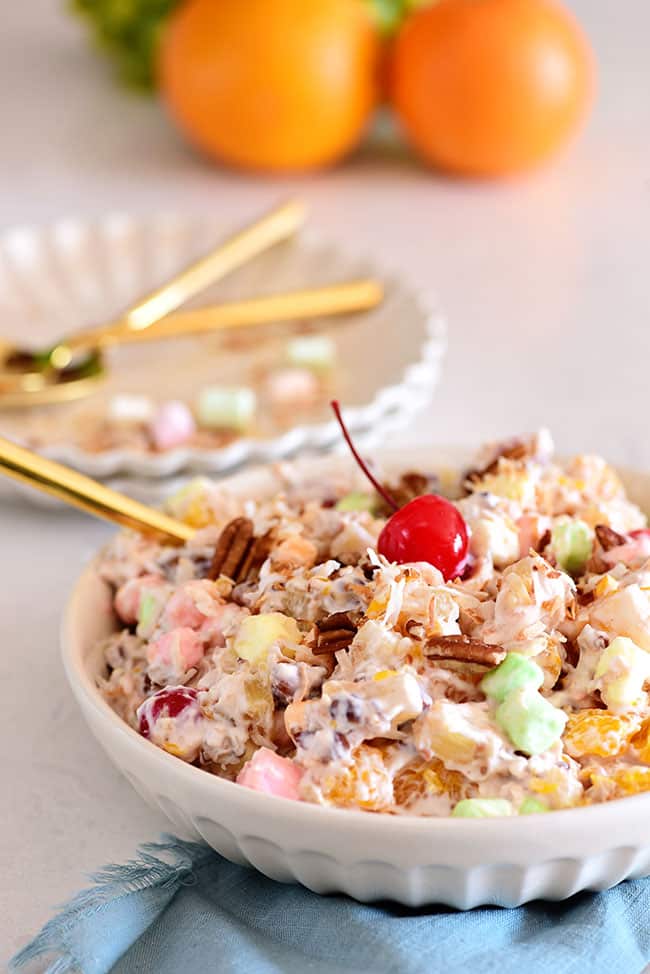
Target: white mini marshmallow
{"type": "Point", "coordinates": [130, 409]}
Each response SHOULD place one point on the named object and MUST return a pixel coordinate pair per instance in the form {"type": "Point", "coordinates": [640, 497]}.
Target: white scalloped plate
{"type": "Point", "coordinates": [74, 273]}
{"type": "Point", "coordinates": [458, 862]}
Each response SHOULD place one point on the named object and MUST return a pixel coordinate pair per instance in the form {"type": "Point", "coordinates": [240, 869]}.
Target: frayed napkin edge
{"type": "Point", "coordinates": [165, 864]}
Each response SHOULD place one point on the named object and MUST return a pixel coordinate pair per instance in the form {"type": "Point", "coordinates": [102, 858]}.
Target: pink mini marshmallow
{"type": "Point", "coordinates": [181, 647]}
{"type": "Point", "coordinates": [181, 612]}
{"type": "Point", "coordinates": [129, 596]}
{"type": "Point", "coordinates": [172, 425]}
{"type": "Point", "coordinates": [268, 772]}
{"type": "Point", "coordinates": [223, 623]}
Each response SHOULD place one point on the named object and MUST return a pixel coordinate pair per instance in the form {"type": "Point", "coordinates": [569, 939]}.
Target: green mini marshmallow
{"type": "Point", "coordinates": [315, 352]}
{"type": "Point", "coordinates": [226, 407]}
{"type": "Point", "coordinates": [356, 500]}
{"type": "Point", "coordinates": [482, 808]}
{"type": "Point", "coordinates": [572, 542]}
{"type": "Point", "coordinates": [532, 806]}
{"type": "Point", "coordinates": [148, 613]}
{"type": "Point", "coordinates": [514, 672]}
{"type": "Point", "coordinates": [530, 721]}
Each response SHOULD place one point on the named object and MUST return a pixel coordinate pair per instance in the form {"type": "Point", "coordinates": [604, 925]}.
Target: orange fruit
{"type": "Point", "coordinates": [271, 84]}
{"type": "Point", "coordinates": [490, 87]}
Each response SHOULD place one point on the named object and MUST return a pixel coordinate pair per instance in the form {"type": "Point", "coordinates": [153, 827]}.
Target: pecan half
{"type": "Point", "coordinates": [608, 538]}
{"type": "Point", "coordinates": [333, 633]}
{"type": "Point", "coordinates": [239, 554]}
{"type": "Point", "coordinates": [464, 650]}
{"type": "Point", "coordinates": [410, 485]}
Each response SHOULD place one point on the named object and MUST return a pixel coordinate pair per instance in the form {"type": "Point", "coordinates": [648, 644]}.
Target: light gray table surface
{"type": "Point", "coordinates": [544, 281]}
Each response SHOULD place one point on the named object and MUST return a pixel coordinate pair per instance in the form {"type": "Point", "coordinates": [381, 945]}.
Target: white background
{"type": "Point", "coordinates": [544, 281]}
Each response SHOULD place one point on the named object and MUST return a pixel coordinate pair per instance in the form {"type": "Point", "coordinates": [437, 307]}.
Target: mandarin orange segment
{"type": "Point", "coordinates": [621, 783]}
{"type": "Point", "coordinates": [365, 784]}
{"type": "Point", "coordinates": [599, 733]}
{"type": "Point", "coordinates": [423, 778]}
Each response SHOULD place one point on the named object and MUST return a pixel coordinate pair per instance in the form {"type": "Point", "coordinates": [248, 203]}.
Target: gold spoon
{"type": "Point", "coordinates": [336, 299]}
{"type": "Point", "coordinates": [89, 495]}
{"type": "Point", "coordinates": [29, 371]}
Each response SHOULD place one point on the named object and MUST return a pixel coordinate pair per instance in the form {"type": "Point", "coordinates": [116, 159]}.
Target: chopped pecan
{"type": "Point", "coordinates": [608, 538]}
{"type": "Point", "coordinates": [572, 652]}
{"type": "Point", "coordinates": [410, 485]}
{"type": "Point", "coordinates": [239, 554]}
{"type": "Point", "coordinates": [333, 633]}
{"type": "Point", "coordinates": [464, 650]}
{"type": "Point", "coordinates": [414, 629]}
{"type": "Point", "coordinates": [511, 450]}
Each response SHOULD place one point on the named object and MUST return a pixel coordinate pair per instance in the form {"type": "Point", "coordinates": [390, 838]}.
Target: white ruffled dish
{"type": "Point", "coordinates": [458, 862]}
{"type": "Point", "coordinates": [74, 273]}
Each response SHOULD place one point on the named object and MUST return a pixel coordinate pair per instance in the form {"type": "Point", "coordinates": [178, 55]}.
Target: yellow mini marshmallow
{"type": "Point", "coordinates": [515, 485]}
{"type": "Point", "coordinates": [258, 634]}
{"type": "Point", "coordinates": [622, 670]}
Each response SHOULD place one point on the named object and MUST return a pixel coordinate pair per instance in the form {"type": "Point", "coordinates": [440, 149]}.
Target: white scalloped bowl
{"type": "Point", "coordinates": [74, 274]}
{"type": "Point", "coordinates": [458, 862]}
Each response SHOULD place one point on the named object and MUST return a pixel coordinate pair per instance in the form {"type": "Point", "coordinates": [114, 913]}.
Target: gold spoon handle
{"type": "Point", "coordinates": [277, 225]}
{"type": "Point", "coordinates": [88, 495]}
{"type": "Point", "coordinates": [297, 305]}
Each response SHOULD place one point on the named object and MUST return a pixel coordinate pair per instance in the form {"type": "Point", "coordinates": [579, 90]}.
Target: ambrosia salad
{"type": "Point", "coordinates": [481, 657]}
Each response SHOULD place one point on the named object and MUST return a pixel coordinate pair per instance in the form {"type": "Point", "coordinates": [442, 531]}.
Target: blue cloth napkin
{"type": "Point", "coordinates": [182, 908]}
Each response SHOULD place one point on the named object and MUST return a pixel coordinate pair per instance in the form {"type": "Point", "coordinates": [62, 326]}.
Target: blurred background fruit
{"type": "Point", "coordinates": [282, 85]}
{"type": "Point", "coordinates": [490, 87]}
{"type": "Point", "coordinates": [128, 31]}
{"type": "Point", "coordinates": [482, 87]}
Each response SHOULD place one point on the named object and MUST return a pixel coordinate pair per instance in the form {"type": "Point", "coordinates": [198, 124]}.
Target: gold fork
{"type": "Point", "coordinates": [28, 372]}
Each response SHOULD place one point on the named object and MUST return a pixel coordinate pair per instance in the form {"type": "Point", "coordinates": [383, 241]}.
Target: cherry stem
{"type": "Point", "coordinates": [381, 490]}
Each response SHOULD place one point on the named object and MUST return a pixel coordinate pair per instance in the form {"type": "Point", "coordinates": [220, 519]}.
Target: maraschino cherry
{"type": "Point", "coordinates": [429, 528]}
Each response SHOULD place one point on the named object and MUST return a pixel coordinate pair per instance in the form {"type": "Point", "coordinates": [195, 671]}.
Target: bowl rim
{"type": "Point", "coordinates": [599, 816]}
